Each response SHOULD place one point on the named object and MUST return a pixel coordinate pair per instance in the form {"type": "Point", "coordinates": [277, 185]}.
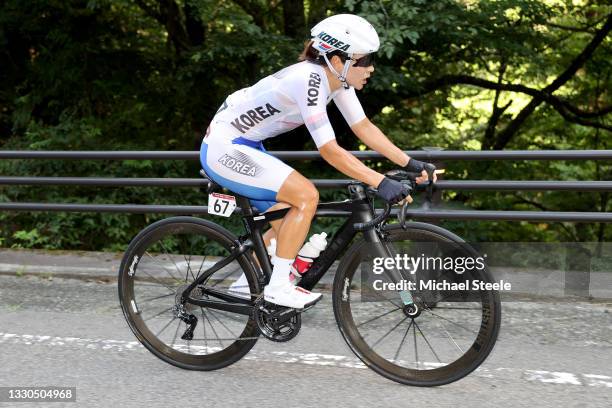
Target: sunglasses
{"type": "Point", "coordinates": [365, 61]}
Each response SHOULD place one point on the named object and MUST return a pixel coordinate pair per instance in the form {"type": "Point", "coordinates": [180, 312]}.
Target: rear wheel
{"type": "Point", "coordinates": [159, 264]}
{"type": "Point", "coordinates": [440, 338]}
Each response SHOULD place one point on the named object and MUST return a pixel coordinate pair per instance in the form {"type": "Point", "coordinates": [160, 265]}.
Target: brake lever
{"type": "Point", "coordinates": [401, 215]}
{"type": "Point", "coordinates": [431, 170]}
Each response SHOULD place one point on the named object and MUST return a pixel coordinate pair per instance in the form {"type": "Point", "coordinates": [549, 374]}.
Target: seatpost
{"type": "Point", "coordinates": [254, 231]}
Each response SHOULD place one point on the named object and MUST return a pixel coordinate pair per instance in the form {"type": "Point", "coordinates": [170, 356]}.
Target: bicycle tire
{"type": "Point", "coordinates": [131, 274]}
{"type": "Point", "coordinates": [391, 368]}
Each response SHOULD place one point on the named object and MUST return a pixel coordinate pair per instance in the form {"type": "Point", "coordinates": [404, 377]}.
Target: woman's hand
{"type": "Point", "coordinates": [416, 166]}
{"type": "Point", "coordinates": [424, 177]}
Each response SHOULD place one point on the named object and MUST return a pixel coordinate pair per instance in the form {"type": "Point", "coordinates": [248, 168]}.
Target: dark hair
{"type": "Point", "coordinates": [311, 54]}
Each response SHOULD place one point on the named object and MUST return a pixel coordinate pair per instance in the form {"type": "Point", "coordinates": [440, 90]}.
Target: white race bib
{"type": "Point", "coordinates": [221, 204]}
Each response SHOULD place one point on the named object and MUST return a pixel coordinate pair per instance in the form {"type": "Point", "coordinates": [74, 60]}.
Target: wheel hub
{"type": "Point", "coordinates": [413, 310]}
{"type": "Point", "coordinates": [195, 293]}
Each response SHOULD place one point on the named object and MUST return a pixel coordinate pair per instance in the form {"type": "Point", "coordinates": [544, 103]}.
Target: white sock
{"type": "Point", "coordinates": [280, 273]}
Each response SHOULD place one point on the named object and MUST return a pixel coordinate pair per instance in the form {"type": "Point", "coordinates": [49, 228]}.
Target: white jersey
{"type": "Point", "coordinates": [278, 103]}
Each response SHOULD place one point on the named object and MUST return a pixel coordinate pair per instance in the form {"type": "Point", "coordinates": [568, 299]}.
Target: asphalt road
{"type": "Point", "coordinates": [69, 332]}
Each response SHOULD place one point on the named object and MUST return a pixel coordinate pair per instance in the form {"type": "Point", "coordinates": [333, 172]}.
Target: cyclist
{"type": "Point", "coordinates": [336, 62]}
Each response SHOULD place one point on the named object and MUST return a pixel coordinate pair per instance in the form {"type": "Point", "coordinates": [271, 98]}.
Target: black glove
{"type": "Point", "coordinates": [392, 191]}
{"type": "Point", "coordinates": [415, 166]}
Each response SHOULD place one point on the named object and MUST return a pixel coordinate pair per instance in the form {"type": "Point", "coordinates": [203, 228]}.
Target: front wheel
{"type": "Point", "coordinates": [439, 338]}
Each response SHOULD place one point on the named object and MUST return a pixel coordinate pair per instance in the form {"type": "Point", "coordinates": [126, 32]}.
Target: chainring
{"type": "Point", "coordinates": [276, 323]}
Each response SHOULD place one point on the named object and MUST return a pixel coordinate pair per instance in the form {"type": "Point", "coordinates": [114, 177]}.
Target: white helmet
{"type": "Point", "coordinates": [345, 32]}
{"type": "Point", "coordinates": [348, 33]}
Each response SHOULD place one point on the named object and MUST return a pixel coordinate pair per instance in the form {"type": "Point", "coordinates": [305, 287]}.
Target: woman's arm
{"type": "Point", "coordinates": [376, 140]}
{"type": "Point", "coordinates": [343, 161]}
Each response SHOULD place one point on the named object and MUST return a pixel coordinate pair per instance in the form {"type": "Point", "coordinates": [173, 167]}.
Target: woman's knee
{"type": "Point", "coordinates": [309, 198]}
{"type": "Point", "coordinates": [298, 191]}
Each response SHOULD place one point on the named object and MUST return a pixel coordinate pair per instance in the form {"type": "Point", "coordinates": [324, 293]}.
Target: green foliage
{"type": "Point", "coordinates": [131, 75]}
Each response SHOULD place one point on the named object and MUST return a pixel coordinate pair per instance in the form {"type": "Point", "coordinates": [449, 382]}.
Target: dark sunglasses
{"type": "Point", "coordinates": [365, 61]}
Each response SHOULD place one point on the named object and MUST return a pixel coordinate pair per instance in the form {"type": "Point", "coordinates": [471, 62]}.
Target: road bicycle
{"type": "Point", "coordinates": [175, 276]}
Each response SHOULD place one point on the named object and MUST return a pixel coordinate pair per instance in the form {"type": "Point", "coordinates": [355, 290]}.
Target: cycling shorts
{"type": "Point", "coordinates": [244, 167]}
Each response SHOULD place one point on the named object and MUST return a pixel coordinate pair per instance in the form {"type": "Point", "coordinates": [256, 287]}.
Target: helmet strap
{"type": "Point", "coordinates": [341, 77]}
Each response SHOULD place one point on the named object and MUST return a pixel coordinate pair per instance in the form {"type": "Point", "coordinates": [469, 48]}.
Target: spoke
{"type": "Point", "coordinates": [158, 314]}
{"type": "Point", "coordinates": [449, 335]}
{"type": "Point", "coordinates": [178, 326]}
{"type": "Point", "coordinates": [230, 339]}
{"type": "Point", "coordinates": [449, 295]}
{"type": "Point", "coordinates": [457, 308]}
{"type": "Point", "coordinates": [172, 259]}
{"type": "Point", "coordinates": [389, 332]}
{"type": "Point", "coordinates": [416, 353]}
{"type": "Point", "coordinates": [160, 264]}
{"type": "Point", "coordinates": [144, 282]}
{"type": "Point", "coordinates": [213, 329]}
{"type": "Point", "coordinates": [168, 324]}
{"type": "Point", "coordinates": [204, 328]}
{"type": "Point", "coordinates": [380, 296]}
{"type": "Point", "coordinates": [378, 317]}
{"type": "Point", "coordinates": [157, 280]}
{"type": "Point", "coordinates": [201, 265]}
{"type": "Point", "coordinates": [402, 342]}
{"type": "Point", "coordinates": [155, 298]}
{"type": "Point", "coordinates": [450, 321]}
{"type": "Point", "coordinates": [427, 341]}
{"type": "Point", "coordinates": [188, 261]}
{"type": "Point", "coordinates": [222, 324]}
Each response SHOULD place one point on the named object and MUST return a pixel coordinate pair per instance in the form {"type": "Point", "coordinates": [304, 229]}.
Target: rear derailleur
{"type": "Point", "coordinates": [182, 311]}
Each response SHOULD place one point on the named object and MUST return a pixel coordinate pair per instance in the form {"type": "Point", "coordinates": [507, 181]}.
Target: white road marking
{"type": "Point", "coordinates": [111, 269]}
{"type": "Point", "coordinates": [54, 269]}
{"type": "Point", "coordinates": [595, 380]}
{"type": "Point", "coordinates": [328, 360]}
{"type": "Point", "coordinates": [553, 377]}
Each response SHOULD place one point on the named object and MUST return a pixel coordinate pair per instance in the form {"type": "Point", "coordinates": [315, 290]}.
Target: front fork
{"type": "Point", "coordinates": [382, 248]}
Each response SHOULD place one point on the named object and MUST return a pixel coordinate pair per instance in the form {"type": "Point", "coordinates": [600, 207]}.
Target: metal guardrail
{"type": "Point", "coordinates": [493, 185]}
{"type": "Point", "coordinates": [431, 154]}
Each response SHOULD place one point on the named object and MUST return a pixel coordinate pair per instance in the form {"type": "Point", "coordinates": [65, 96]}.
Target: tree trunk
{"type": "Point", "coordinates": [293, 14]}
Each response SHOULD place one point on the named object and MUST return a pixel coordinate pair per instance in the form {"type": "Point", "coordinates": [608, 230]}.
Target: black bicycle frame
{"type": "Point", "coordinates": [360, 210]}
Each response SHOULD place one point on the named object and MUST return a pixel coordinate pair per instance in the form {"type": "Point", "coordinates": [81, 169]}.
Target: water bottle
{"type": "Point", "coordinates": [311, 249]}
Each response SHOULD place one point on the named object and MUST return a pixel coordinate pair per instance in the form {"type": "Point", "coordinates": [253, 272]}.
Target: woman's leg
{"type": "Point", "coordinates": [273, 232]}
{"type": "Point", "coordinates": [303, 197]}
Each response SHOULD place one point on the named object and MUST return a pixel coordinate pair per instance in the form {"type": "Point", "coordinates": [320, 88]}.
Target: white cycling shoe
{"type": "Point", "coordinates": [291, 296]}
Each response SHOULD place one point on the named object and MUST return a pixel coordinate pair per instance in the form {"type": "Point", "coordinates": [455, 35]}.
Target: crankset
{"type": "Point", "coordinates": [276, 323]}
